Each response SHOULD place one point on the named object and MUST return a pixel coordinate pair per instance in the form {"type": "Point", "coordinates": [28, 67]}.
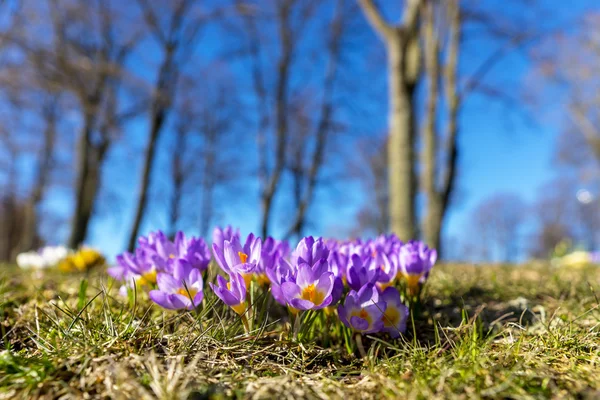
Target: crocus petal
{"type": "Point", "coordinates": [320, 267]}
{"type": "Point", "coordinates": [368, 294]}
{"type": "Point", "coordinates": [180, 301]}
{"type": "Point", "coordinates": [231, 256]}
{"type": "Point", "coordinates": [290, 290]}
{"type": "Point", "coordinates": [221, 281]}
{"type": "Point", "coordinates": [255, 251]}
{"type": "Point", "coordinates": [218, 253]}
{"type": "Point", "coordinates": [117, 272]}
{"type": "Point", "coordinates": [167, 283]}
{"type": "Point", "coordinates": [243, 268]}
{"type": "Point", "coordinates": [198, 298]}
{"type": "Point", "coordinates": [278, 294]}
{"type": "Point", "coordinates": [326, 302]}
{"type": "Point", "coordinates": [305, 276]}
{"type": "Point", "coordinates": [342, 315]}
{"type": "Point", "coordinates": [325, 284]}
{"type": "Point", "coordinates": [301, 304]}
{"type": "Point", "coordinates": [433, 257]}
{"type": "Point", "coordinates": [165, 300]}
{"type": "Point", "coordinates": [358, 323]}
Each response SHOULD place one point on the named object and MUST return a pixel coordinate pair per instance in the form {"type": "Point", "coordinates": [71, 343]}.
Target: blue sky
{"type": "Point", "coordinates": [501, 151]}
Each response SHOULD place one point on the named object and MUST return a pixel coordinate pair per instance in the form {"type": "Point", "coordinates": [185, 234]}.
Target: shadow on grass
{"type": "Point", "coordinates": [474, 303]}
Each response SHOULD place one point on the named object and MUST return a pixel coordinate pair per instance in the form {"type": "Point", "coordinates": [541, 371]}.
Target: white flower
{"type": "Point", "coordinates": [30, 260]}
{"type": "Point", "coordinates": [46, 257]}
{"type": "Point", "coordinates": [52, 255]}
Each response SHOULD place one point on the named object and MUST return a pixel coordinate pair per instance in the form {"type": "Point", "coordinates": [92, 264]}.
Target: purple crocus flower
{"type": "Point", "coordinates": [312, 287]}
{"type": "Point", "coordinates": [282, 272]}
{"type": "Point", "coordinates": [363, 310]}
{"type": "Point", "coordinates": [388, 269]}
{"type": "Point", "coordinates": [396, 314]}
{"type": "Point", "coordinates": [183, 289]}
{"type": "Point", "coordinates": [388, 244]}
{"type": "Point", "coordinates": [134, 267]}
{"type": "Point", "coordinates": [310, 251]}
{"type": "Point", "coordinates": [194, 250]}
{"type": "Point", "coordinates": [339, 261]}
{"type": "Point", "coordinates": [235, 258]}
{"type": "Point", "coordinates": [361, 271]}
{"type": "Point", "coordinates": [271, 252]}
{"type": "Point", "coordinates": [233, 293]}
{"type": "Point", "coordinates": [220, 235]}
{"type": "Point", "coordinates": [415, 261]}
{"type": "Point", "coordinates": [157, 251]}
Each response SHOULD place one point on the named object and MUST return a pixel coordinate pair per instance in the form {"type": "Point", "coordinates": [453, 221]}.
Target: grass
{"type": "Point", "coordinates": [483, 332]}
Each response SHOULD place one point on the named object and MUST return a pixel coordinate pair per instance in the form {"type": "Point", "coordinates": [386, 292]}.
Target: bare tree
{"type": "Point", "coordinates": [299, 140]}
{"type": "Point", "coordinates": [29, 238]}
{"type": "Point", "coordinates": [404, 70]}
{"type": "Point", "coordinates": [573, 74]}
{"type": "Point", "coordinates": [175, 28]}
{"type": "Point", "coordinates": [82, 59]}
{"type": "Point", "coordinates": [438, 180]}
{"type": "Point", "coordinates": [91, 70]}
{"type": "Point", "coordinates": [204, 161]}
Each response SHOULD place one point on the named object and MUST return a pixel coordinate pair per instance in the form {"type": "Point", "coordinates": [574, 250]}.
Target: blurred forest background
{"type": "Point", "coordinates": [472, 124]}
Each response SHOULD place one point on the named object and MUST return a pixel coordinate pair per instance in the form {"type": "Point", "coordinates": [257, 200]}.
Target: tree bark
{"type": "Point", "coordinates": [438, 196]}
{"type": "Point", "coordinates": [81, 216]}
{"type": "Point", "coordinates": [178, 174]}
{"type": "Point", "coordinates": [142, 200]}
{"type": "Point", "coordinates": [401, 158]}
{"type": "Point", "coordinates": [30, 225]}
{"type": "Point", "coordinates": [403, 56]}
{"type": "Point", "coordinates": [432, 223]}
{"type": "Point", "coordinates": [281, 101]}
{"type": "Point", "coordinates": [208, 179]}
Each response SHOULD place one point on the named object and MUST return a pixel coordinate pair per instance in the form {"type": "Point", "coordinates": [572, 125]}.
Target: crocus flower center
{"type": "Point", "coordinates": [412, 280]}
{"type": "Point", "coordinates": [364, 314]}
{"type": "Point", "coordinates": [148, 278]}
{"type": "Point", "coordinates": [171, 256]}
{"type": "Point", "coordinates": [391, 317]}
{"type": "Point", "coordinates": [247, 279]}
{"type": "Point", "coordinates": [240, 308]}
{"type": "Point", "coordinates": [189, 292]}
{"type": "Point", "coordinates": [313, 295]}
{"type": "Point", "coordinates": [263, 279]}
{"type": "Point", "coordinates": [243, 257]}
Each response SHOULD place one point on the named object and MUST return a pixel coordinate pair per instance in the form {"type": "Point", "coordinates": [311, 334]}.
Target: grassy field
{"type": "Point", "coordinates": [483, 332]}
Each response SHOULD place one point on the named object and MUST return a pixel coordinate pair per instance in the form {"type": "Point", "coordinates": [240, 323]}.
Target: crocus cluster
{"type": "Point", "coordinates": [365, 282]}
{"type": "Point", "coordinates": [172, 269]}
{"type": "Point", "coordinates": [373, 271]}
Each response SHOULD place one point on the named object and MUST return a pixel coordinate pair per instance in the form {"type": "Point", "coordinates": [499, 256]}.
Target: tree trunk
{"type": "Point", "coordinates": [178, 175]}
{"type": "Point", "coordinates": [142, 201]}
{"type": "Point", "coordinates": [80, 219]}
{"type": "Point", "coordinates": [401, 143]}
{"type": "Point", "coordinates": [432, 222]}
{"type": "Point", "coordinates": [30, 225]}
